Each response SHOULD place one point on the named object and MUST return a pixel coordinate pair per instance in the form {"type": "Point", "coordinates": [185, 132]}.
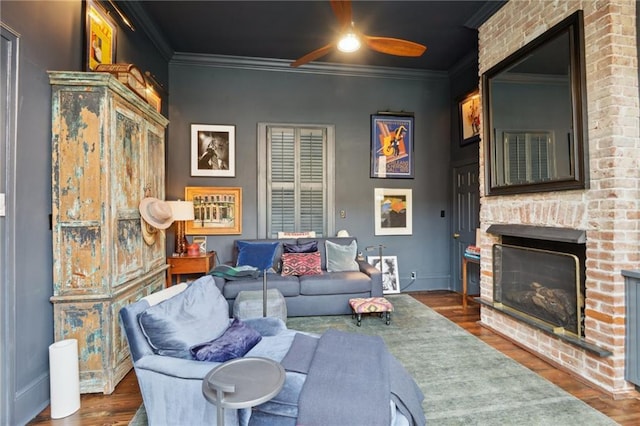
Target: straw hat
{"type": "Point", "coordinates": [156, 213]}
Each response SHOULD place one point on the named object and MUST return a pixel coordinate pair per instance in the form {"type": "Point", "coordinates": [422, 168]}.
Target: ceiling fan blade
{"type": "Point", "coordinates": [313, 55]}
{"type": "Point", "coordinates": [394, 46]}
{"type": "Point", "coordinates": [342, 10]}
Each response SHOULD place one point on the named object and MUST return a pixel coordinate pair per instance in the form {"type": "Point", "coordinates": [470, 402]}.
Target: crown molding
{"type": "Point", "coordinates": [484, 13]}
{"type": "Point", "coordinates": [135, 11]}
{"type": "Point", "coordinates": [281, 65]}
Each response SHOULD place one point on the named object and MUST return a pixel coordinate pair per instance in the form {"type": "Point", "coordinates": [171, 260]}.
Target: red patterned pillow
{"type": "Point", "coordinates": [301, 263]}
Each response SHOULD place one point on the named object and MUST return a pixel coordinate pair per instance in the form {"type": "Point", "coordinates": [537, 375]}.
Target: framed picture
{"type": "Point", "coordinates": [469, 109]}
{"type": "Point", "coordinates": [201, 241]}
{"type": "Point", "coordinates": [217, 211]}
{"type": "Point", "coordinates": [213, 150]}
{"type": "Point", "coordinates": [391, 146]}
{"type": "Point", "coordinates": [100, 36]}
{"type": "Point", "coordinates": [390, 274]}
{"type": "Point", "coordinates": [392, 211]}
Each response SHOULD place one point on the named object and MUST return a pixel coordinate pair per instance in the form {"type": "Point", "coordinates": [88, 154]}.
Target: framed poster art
{"type": "Point", "coordinates": [213, 150]}
{"type": "Point", "coordinates": [216, 211]}
{"type": "Point", "coordinates": [469, 111]}
{"type": "Point", "coordinates": [390, 274]}
{"type": "Point", "coordinates": [100, 36]}
{"type": "Point", "coordinates": [392, 211]}
{"type": "Point", "coordinates": [392, 146]}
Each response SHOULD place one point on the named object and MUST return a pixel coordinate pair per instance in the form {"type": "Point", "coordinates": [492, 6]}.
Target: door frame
{"type": "Point", "coordinates": [8, 145]}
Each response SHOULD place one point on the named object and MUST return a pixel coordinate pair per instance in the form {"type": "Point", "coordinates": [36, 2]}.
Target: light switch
{"type": "Point", "coordinates": [343, 214]}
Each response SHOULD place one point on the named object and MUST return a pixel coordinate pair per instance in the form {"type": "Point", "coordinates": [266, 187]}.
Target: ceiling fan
{"type": "Point", "coordinates": [350, 39]}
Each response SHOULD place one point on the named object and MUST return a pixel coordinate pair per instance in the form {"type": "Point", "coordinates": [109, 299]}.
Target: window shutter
{"type": "Point", "coordinates": [296, 180]}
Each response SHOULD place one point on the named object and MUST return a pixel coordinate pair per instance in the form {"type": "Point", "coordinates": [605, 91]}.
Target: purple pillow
{"type": "Point", "coordinates": [310, 247]}
{"type": "Point", "coordinates": [234, 343]}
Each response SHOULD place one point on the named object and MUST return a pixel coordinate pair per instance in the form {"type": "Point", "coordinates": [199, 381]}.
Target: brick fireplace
{"type": "Point", "coordinates": [608, 213]}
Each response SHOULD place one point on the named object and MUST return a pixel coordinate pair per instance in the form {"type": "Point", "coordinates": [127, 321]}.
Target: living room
{"type": "Point", "coordinates": [220, 91]}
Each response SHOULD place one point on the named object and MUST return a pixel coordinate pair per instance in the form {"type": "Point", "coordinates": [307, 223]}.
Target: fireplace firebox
{"type": "Point", "coordinates": [543, 285]}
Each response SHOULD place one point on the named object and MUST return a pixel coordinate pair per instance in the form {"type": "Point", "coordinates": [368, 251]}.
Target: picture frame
{"type": "Point", "coordinates": [393, 211]}
{"type": "Point", "coordinates": [390, 273]}
{"type": "Point", "coordinates": [100, 36]}
{"type": "Point", "coordinates": [469, 118]}
{"type": "Point", "coordinates": [217, 210]}
{"type": "Point", "coordinates": [392, 146]}
{"type": "Point", "coordinates": [213, 150]}
{"type": "Point", "coordinates": [201, 241]}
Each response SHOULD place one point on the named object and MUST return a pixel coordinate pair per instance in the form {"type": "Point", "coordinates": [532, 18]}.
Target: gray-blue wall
{"type": "Point", "coordinates": [206, 91]}
{"type": "Point", "coordinates": [50, 38]}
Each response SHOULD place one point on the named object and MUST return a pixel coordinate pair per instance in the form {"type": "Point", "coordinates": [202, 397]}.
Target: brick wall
{"type": "Point", "coordinates": [610, 210]}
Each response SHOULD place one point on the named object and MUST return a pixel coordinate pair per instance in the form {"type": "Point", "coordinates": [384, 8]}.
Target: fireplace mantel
{"type": "Point", "coordinates": [567, 235]}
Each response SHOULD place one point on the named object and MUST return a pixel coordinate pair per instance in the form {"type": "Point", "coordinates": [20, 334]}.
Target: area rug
{"type": "Point", "coordinates": [465, 381]}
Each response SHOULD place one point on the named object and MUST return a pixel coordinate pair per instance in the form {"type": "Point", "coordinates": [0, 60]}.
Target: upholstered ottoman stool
{"type": "Point", "coordinates": [249, 304]}
{"type": "Point", "coordinates": [371, 305]}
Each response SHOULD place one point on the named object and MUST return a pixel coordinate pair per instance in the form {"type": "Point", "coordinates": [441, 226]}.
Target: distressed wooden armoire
{"type": "Point", "coordinates": [107, 153]}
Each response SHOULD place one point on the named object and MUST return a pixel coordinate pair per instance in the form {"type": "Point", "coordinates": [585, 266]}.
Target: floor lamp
{"type": "Point", "coordinates": [182, 211]}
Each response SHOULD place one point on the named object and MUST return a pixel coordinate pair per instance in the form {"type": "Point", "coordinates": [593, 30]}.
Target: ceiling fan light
{"type": "Point", "coordinates": [349, 43]}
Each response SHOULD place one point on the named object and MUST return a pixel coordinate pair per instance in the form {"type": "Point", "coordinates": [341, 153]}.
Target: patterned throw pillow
{"type": "Point", "coordinates": [301, 263]}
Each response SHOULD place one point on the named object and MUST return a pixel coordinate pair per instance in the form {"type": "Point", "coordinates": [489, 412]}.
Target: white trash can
{"type": "Point", "coordinates": [64, 377]}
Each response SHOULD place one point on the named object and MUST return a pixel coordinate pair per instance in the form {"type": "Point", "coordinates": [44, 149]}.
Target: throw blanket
{"type": "Point", "coordinates": [351, 379]}
{"type": "Point", "coordinates": [235, 272]}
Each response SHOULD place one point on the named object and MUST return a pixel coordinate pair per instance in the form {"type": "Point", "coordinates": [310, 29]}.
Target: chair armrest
{"type": "Point", "coordinates": [175, 367]}
{"type": "Point", "coordinates": [269, 326]}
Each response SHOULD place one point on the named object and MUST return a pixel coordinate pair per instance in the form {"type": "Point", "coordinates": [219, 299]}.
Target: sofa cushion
{"type": "Point", "coordinates": [236, 341]}
{"type": "Point", "coordinates": [308, 247]}
{"type": "Point", "coordinates": [341, 258]}
{"type": "Point", "coordinates": [256, 254]}
{"type": "Point", "coordinates": [288, 285]}
{"type": "Point", "coordinates": [301, 264]}
{"type": "Point", "coordinates": [199, 314]}
{"type": "Point", "coordinates": [335, 283]}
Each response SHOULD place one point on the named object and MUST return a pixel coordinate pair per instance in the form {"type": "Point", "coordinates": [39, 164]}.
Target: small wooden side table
{"type": "Point", "coordinates": [184, 265]}
{"type": "Point", "coordinates": [465, 277]}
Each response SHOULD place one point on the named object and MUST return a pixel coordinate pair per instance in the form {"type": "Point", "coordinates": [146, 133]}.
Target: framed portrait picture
{"type": "Point", "coordinates": [391, 146]}
{"type": "Point", "coordinates": [392, 211]}
{"type": "Point", "coordinates": [390, 274]}
{"type": "Point", "coordinates": [100, 36]}
{"type": "Point", "coordinates": [213, 150]}
{"type": "Point", "coordinates": [217, 211]}
{"type": "Point", "coordinates": [469, 109]}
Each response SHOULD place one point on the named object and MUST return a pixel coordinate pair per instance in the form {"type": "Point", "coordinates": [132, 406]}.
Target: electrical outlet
{"type": "Point", "coordinates": [413, 275]}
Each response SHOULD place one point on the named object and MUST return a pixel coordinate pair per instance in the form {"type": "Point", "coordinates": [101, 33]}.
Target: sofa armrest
{"type": "Point", "coordinates": [376, 277]}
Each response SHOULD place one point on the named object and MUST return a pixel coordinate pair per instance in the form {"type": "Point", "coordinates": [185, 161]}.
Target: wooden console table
{"type": "Point", "coordinates": [184, 265]}
{"type": "Point", "coordinates": [465, 277]}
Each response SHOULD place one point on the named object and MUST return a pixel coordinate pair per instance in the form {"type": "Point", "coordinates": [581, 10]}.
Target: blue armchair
{"type": "Point", "coordinates": [171, 387]}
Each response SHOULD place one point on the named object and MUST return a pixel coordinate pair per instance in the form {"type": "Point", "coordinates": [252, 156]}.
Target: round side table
{"type": "Point", "coordinates": [242, 383]}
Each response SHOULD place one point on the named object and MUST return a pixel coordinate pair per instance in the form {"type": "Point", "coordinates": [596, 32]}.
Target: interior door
{"type": "Point", "coordinates": [465, 222]}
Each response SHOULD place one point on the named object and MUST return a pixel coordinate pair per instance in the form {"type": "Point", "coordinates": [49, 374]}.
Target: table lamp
{"type": "Point", "coordinates": [182, 211]}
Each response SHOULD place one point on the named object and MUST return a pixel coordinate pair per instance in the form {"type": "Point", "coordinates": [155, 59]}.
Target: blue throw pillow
{"type": "Point", "coordinates": [234, 343]}
{"type": "Point", "coordinates": [258, 255]}
{"type": "Point", "coordinates": [310, 247]}
{"type": "Point", "coordinates": [198, 314]}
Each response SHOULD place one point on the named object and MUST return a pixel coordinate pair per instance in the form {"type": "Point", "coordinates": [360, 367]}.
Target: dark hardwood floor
{"type": "Point", "coordinates": [119, 407]}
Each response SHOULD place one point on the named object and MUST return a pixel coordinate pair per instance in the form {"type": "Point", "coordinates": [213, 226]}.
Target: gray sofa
{"type": "Point", "coordinates": [308, 295]}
